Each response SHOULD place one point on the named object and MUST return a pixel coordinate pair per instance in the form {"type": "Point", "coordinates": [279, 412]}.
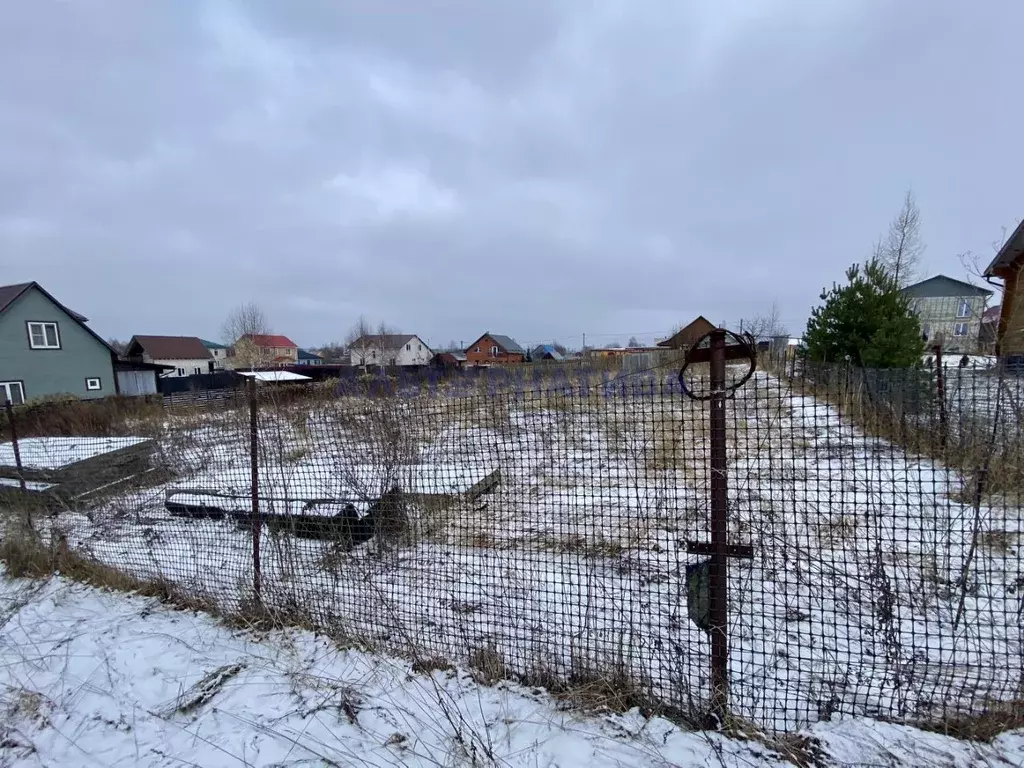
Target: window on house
{"type": "Point", "coordinates": [374, 354]}
{"type": "Point", "coordinates": [408, 347]}
{"type": "Point", "coordinates": [181, 371]}
{"type": "Point", "coordinates": [419, 347]}
{"type": "Point", "coordinates": [494, 351]}
{"type": "Point", "coordinates": [198, 370]}
{"type": "Point", "coordinates": [960, 329]}
{"type": "Point", "coordinates": [43, 336]}
{"type": "Point", "coordinates": [964, 310]}
{"type": "Point", "coordinates": [12, 391]}
{"type": "Point", "coordinates": [93, 384]}
{"type": "Point", "coordinates": [476, 349]}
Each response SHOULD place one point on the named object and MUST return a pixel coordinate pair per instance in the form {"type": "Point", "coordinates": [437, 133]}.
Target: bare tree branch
{"type": "Point", "coordinates": [243, 321]}
{"type": "Point", "coordinates": [901, 249]}
{"type": "Point", "coordinates": [766, 326]}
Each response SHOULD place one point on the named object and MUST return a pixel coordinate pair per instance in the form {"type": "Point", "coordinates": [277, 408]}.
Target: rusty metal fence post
{"type": "Point", "coordinates": [257, 523]}
{"type": "Point", "coordinates": [719, 547]}
{"type": "Point", "coordinates": [9, 406]}
{"type": "Point", "coordinates": [940, 388]}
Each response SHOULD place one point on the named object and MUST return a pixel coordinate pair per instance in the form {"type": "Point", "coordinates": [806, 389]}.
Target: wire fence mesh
{"type": "Point", "coordinates": [539, 529]}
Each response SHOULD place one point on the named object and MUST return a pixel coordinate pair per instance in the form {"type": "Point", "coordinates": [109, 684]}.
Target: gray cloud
{"type": "Point", "coordinates": [542, 169]}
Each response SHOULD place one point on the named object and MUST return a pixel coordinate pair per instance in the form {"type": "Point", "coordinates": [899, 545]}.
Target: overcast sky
{"type": "Point", "coordinates": [538, 168]}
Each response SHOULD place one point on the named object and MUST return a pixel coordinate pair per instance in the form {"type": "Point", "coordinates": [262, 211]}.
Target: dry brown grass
{"type": "Point", "coordinates": [25, 555]}
{"type": "Point", "coordinates": [488, 666]}
{"type": "Point", "coordinates": [92, 418]}
{"type": "Point", "coordinates": [998, 717]}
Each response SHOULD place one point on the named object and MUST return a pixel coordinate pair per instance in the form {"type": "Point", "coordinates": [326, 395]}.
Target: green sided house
{"type": "Point", "coordinates": [47, 349]}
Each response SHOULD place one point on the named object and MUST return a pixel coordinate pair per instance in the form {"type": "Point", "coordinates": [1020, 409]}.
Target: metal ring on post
{"type": "Point", "coordinates": [746, 340]}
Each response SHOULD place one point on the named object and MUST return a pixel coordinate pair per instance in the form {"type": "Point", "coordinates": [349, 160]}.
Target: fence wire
{"type": "Point", "coordinates": [539, 529]}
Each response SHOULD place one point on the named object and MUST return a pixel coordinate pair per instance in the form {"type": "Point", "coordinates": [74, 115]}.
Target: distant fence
{"type": "Point", "coordinates": [558, 530]}
{"type": "Point", "coordinates": [202, 398]}
{"type": "Point", "coordinates": [169, 385]}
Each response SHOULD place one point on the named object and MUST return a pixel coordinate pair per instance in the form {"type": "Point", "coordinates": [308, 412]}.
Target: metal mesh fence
{"type": "Point", "coordinates": [546, 529]}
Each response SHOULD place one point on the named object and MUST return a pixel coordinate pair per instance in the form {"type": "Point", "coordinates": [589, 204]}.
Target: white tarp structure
{"type": "Point", "coordinates": [274, 376]}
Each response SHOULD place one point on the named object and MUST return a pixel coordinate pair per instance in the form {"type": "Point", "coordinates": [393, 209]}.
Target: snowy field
{"type": "Point", "coordinates": [872, 592]}
{"type": "Point", "coordinates": [91, 678]}
{"type": "Point", "coordinates": [59, 452]}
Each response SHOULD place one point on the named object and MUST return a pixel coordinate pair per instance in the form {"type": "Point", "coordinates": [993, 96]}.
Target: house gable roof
{"type": "Point", "coordinates": [305, 354]}
{"type": "Point", "coordinates": [689, 333]}
{"type": "Point", "coordinates": [941, 285]}
{"type": "Point", "coordinates": [1011, 252]}
{"type": "Point", "coordinates": [507, 343]}
{"type": "Point", "coordinates": [548, 349]}
{"type": "Point", "coordinates": [11, 293]}
{"type": "Point", "coordinates": [270, 340]}
{"type": "Point", "coordinates": [383, 341]}
{"type": "Point", "coordinates": [213, 344]}
{"type": "Point", "coordinates": [169, 347]}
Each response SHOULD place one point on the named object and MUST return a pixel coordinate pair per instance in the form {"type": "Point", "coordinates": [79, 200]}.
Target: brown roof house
{"type": "Point", "coordinates": [688, 335]}
{"type": "Point", "coordinates": [184, 355]}
{"type": "Point", "coordinates": [1007, 266]}
{"type": "Point", "coordinates": [494, 348]}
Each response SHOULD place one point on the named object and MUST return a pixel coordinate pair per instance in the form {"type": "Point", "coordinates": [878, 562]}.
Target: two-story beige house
{"type": "Point", "coordinates": [950, 312]}
{"type": "Point", "coordinates": [263, 351]}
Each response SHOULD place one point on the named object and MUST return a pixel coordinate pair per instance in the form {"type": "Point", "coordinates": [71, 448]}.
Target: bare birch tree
{"type": "Point", "coordinates": [766, 326]}
{"type": "Point", "coordinates": [358, 341]}
{"type": "Point", "coordinates": [901, 249]}
{"type": "Point", "coordinates": [243, 321]}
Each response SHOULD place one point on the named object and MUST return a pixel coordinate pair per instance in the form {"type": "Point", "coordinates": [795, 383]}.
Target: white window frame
{"type": "Point", "coordinates": [89, 383]}
{"type": "Point", "coordinates": [964, 310]}
{"type": "Point", "coordinates": [198, 371]}
{"type": "Point", "coordinates": [494, 350]}
{"type": "Point", "coordinates": [6, 392]}
{"type": "Point", "coordinates": [408, 347]}
{"type": "Point", "coordinates": [958, 327]}
{"type": "Point", "coordinates": [181, 371]}
{"type": "Point", "coordinates": [42, 326]}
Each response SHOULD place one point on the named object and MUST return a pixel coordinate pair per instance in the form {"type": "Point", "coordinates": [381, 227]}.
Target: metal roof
{"type": "Point", "coordinates": [955, 287]}
{"type": "Point", "coordinates": [383, 341]}
{"type": "Point", "coordinates": [170, 347]}
{"type": "Point", "coordinates": [507, 343]}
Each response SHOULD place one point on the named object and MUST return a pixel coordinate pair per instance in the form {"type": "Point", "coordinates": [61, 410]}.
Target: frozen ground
{"type": "Point", "coordinates": [873, 590]}
{"type": "Point", "coordinates": [59, 452]}
{"type": "Point", "coordinates": [91, 678]}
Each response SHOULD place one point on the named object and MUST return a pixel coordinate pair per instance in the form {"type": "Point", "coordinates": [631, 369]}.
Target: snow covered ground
{"type": "Point", "coordinates": [91, 678]}
{"type": "Point", "coordinates": [59, 452]}
{"type": "Point", "coordinates": [873, 590]}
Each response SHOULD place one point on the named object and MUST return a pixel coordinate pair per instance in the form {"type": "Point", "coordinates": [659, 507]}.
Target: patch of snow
{"type": "Point", "coordinates": [89, 677]}
{"type": "Point", "coordinates": [60, 452]}
{"type": "Point", "coordinates": [30, 485]}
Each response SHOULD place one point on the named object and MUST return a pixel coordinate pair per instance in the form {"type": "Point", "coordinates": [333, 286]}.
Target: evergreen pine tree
{"type": "Point", "coordinates": [868, 321]}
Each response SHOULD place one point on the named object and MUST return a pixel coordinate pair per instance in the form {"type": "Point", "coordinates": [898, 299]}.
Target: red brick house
{"type": "Point", "coordinates": [494, 348]}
